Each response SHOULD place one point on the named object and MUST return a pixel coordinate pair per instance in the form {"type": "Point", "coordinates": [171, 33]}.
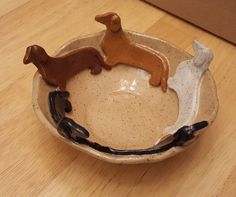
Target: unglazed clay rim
{"type": "Point", "coordinates": [91, 151]}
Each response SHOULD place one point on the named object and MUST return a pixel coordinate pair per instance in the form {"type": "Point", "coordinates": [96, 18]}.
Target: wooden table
{"type": "Point", "coordinates": [34, 163]}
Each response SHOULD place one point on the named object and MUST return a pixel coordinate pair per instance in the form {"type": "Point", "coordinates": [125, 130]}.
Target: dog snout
{"type": "Point", "coordinates": [100, 18]}
{"type": "Point", "coordinates": [27, 59]}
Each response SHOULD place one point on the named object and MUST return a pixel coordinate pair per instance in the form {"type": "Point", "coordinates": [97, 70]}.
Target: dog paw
{"type": "Point", "coordinates": [107, 67]}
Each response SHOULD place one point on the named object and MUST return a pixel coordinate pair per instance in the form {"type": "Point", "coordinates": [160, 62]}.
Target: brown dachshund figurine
{"type": "Point", "coordinates": [119, 49]}
{"type": "Point", "coordinates": [57, 70]}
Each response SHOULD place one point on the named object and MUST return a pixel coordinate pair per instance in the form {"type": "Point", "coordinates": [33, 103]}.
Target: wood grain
{"type": "Point", "coordinates": [34, 163]}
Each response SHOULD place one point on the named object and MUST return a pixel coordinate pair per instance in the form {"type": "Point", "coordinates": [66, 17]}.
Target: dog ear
{"type": "Point", "coordinates": [115, 23]}
{"type": "Point", "coordinates": [27, 58]}
{"type": "Point", "coordinates": [43, 58]}
{"type": "Point", "coordinates": [40, 54]}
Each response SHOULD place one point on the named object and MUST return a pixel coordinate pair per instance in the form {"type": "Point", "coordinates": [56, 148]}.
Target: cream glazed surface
{"type": "Point", "coordinates": [119, 107]}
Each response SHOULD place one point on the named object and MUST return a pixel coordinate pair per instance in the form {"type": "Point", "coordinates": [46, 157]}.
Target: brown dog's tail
{"type": "Point", "coordinates": [102, 62]}
{"type": "Point", "coordinates": [165, 74]}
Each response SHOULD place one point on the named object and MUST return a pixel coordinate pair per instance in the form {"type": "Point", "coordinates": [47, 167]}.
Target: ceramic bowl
{"type": "Point", "coordinates": [119, 108]}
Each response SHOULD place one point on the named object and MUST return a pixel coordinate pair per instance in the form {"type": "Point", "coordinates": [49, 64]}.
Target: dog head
{"type": "Point", "coordinates": [34, 54]}
{"type": "Point", "coordinates": [111, 20]}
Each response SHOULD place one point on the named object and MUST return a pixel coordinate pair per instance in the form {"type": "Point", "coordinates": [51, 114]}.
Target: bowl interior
{"type": "Point", "coordinates": [120, 108]}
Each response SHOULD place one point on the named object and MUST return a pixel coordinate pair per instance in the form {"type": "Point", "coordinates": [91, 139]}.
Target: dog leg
{"type": "Point", "coordinates": [110, 61]}
{"type": "Point", "coordinates": [155, 79]}
{"type": "Point", "coordinates": [106, 66]}
{"type": "Point", "coordinates": [62, 86]}
{"type": "Point", "coordinates": [96, 69]}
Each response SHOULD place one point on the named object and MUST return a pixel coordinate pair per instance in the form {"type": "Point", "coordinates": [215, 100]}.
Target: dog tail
{"type": "Point", "coordinates": [102, 62]}
{"type": "Point", "coordinates": [165, 73]}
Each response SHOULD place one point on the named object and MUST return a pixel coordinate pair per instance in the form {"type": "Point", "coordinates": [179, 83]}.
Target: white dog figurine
{"type": "Point", "coordinates": [186, 84]}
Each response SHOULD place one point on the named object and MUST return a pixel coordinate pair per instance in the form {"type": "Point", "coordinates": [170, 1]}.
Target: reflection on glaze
{"type": "Point", "coordinates": [119, 49]}
{"type": "Point", "coordinates": [128, 86]}
{"type": "Point", "coordinates": [57, 70]}
{"type": "Point", "coordinates": [186, 83]}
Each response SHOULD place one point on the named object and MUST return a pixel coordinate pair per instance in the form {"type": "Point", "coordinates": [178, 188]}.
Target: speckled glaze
{"type": "Point", "coordinates": [119, 107]}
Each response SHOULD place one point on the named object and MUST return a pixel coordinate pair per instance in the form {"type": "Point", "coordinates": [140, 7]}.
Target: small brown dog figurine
{"type": "Point", "coordinates": [57, 70]}
{"type": "Point", "coordinates": [119, 49]}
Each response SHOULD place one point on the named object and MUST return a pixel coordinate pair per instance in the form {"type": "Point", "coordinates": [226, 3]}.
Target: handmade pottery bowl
{"type": "Point", "coordinates": [120, 109]}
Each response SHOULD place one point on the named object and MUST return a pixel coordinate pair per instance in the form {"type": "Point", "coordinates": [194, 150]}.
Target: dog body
{"type": "Point", "coordinates": [57, 70]}
{"type": "Point", "coordinates": [119, 49]}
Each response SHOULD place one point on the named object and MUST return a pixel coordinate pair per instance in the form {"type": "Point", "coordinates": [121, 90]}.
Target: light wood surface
{"type": "Point", "coordinates": [34, 163]}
